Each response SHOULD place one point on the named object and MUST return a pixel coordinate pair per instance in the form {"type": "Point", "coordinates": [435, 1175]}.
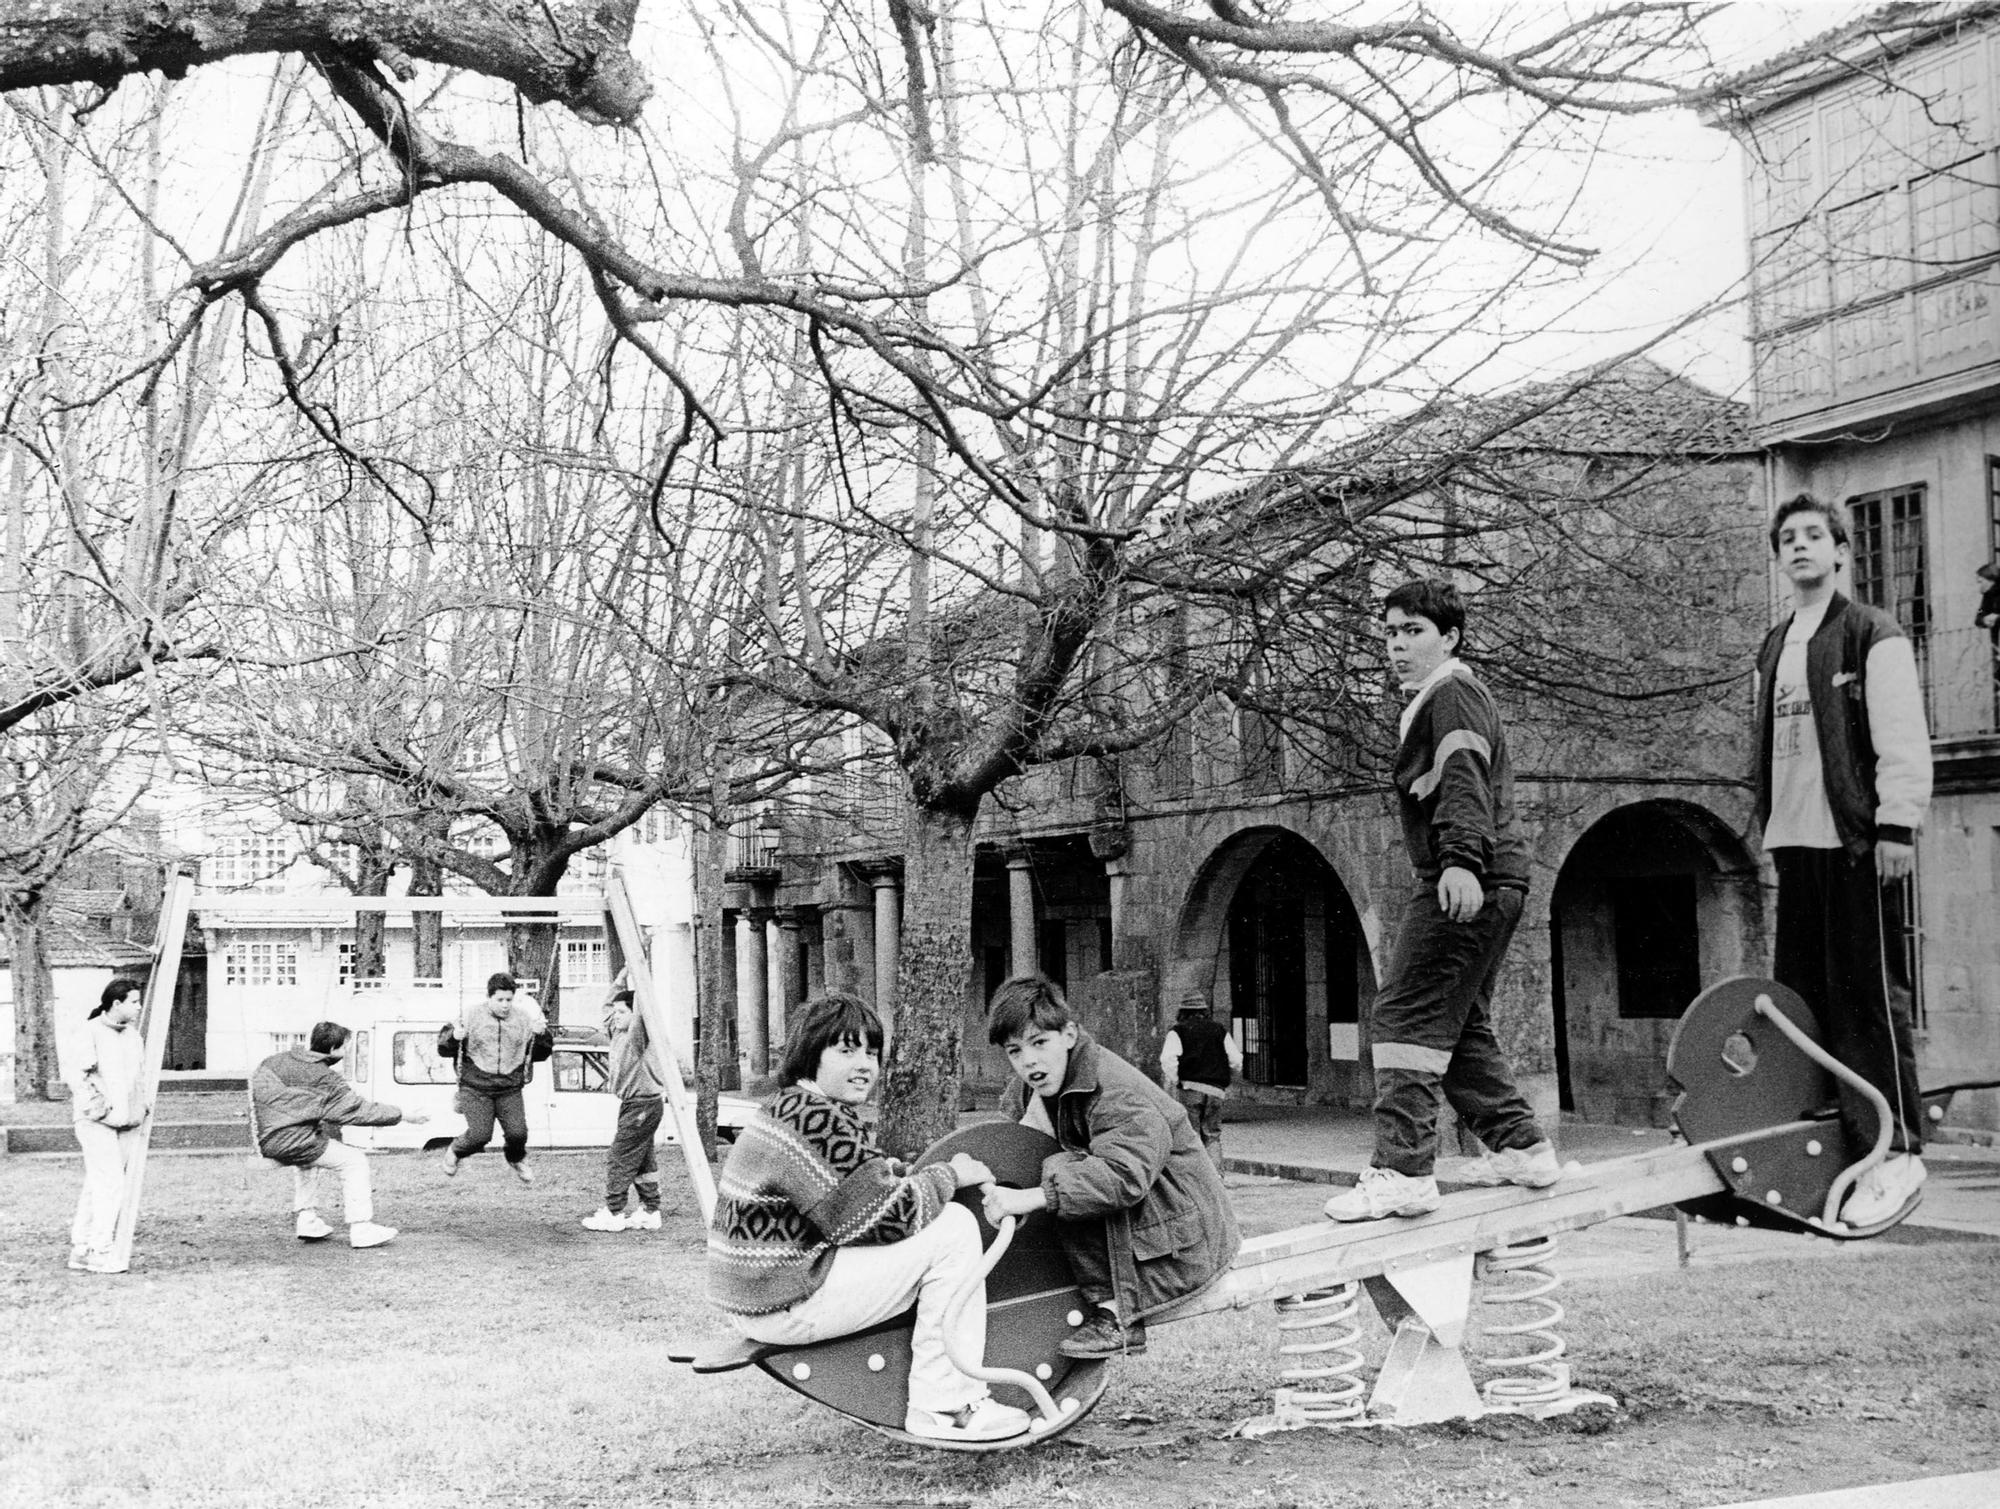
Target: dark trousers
{"type": "Point", "coordinates": [1433, 1034]}
{"type": "Point", "coordinates": [480, 1111]}
{"type": "Point", "coordinates": [631, 1160]}
{"type": "Point", "coordinates": [1205, 1111]}
{"type": "Point", "coordinates": [1840, 945]}
{"type": "Point", "coordinates": [1101, 1262]}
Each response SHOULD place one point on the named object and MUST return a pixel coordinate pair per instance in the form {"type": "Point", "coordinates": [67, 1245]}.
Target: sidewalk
{"type": "Point", "coordinates": [1327, 1145]}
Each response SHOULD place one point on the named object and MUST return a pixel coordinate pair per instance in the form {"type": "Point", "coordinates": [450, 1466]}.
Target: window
{"type": "Point", "coordinates": [345, 969]}
{"type": "Point", "coordinates": [1658, 944]}
{"type": "Point", "coordinates": [1891, 571]}
{"type": "Point", "coordinates": [285, 1042]}
{"type": "Point", "coordinates": [1993, 508]}
{"type": "Point", "coordinates": [416, 1060]}
{"type": "Point", "coordinates": [247, 859]}
{"type": "Point", "coordinates": [267, 965]}
{"type": "Point", "coordinates": [582, 1071]}
{"type": "Point", "coordinates": [586, 961]}
{"type": "Point", "coordinates": [660, 825]}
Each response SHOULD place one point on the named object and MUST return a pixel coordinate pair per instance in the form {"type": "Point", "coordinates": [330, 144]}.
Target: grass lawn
{"type": "Point", "coordinates": [498, 1354]}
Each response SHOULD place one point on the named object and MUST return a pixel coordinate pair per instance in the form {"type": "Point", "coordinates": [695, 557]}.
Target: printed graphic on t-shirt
{"type": "Point", "coordinates": [1801, 816]}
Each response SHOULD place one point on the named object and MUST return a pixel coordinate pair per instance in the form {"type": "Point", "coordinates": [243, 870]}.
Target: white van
{"type": "Point", "coordinates": [569, 1101]}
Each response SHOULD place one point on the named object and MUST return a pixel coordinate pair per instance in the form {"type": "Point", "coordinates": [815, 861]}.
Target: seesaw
{"type": "Point", "coordinates": [1763, 1145]}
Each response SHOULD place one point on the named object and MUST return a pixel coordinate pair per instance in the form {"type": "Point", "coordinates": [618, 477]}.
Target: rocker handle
{"type": "Point", "coordinates": [975, 1367]}
{"type": "Point", "coordinates": [1847, 1177]}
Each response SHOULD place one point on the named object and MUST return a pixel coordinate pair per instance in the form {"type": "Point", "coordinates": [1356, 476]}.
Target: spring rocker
{"type": "Point", "coordinates": [1762, 1145]}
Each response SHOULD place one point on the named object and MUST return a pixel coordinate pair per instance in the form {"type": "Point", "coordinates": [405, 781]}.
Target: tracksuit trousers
{"type": "Point", "coordinates": [1433, 1034]}
{"type": "Point", "coordinates": [631, 1160]}
{"type": "Point", "coordinates": [1840, 936]}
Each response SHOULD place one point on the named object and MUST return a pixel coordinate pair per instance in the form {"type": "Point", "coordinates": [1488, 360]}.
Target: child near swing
{"type": "Point", "coordinates": [817, 1233]}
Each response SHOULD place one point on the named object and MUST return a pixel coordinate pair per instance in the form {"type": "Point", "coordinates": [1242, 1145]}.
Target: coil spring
{"type": "Point", "coordinates": [1325, 1365]}
{"type": "Point", "coordinates": [1521, 1275]}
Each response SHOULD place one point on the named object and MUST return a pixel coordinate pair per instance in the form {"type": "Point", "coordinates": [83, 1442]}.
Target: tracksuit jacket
{"type": "Point", "coordinates": [1868, 710]}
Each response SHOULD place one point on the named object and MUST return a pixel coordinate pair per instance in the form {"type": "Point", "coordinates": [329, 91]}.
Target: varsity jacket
{"type": "Point", "coordinates": [1868, 711]}
{"type": "Point", "coordinates": [296, 1095]}
{"type": "Point", "coordinates": [804, 1178]}
{"type": "Point", "coordinates": [1455, 782]}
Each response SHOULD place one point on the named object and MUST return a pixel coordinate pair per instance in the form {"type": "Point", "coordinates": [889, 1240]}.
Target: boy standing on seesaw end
{"type": "Point", "coordinates": [1142, 1214]}
{"type": "Point", "coordinates": [1432, 1033]}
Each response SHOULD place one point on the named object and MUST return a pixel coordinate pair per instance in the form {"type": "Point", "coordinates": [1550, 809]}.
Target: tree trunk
{"type": "Point", "coordinates": [533, 953]}
{"type": "Point", "coordinates": [920, 1097]}
{"type": "Point", "coordinates": [371, 954]}
{"type": "Point", "coordinates": [715, 1004]}
{"type": "Point", "coordinates": [427, 879]}
{"type": "Point", "coordinates": [36, 1074]}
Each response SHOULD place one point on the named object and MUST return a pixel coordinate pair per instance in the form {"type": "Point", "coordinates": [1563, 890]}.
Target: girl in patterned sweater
{"type": "Point", "coordinates": [818, 1234]}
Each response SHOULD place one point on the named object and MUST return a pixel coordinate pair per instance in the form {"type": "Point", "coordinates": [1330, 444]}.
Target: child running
{"type": "Point", "coordinates": [1141, 1210]}
{"type": "Point", "coordinates": [818, 1234]}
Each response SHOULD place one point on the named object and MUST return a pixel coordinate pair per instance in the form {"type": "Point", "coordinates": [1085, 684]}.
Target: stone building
{"type": "Point", "coordinates": [1233, 864]}
{"type": "Point", "coordinates": [1874, 204]}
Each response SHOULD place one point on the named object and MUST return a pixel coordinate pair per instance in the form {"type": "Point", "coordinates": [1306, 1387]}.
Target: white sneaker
{"type": "Point", "coordinates": [451, 1163]}
{"type": "Point", "coordinates": [608, 1219]}
{"type": "Point", "coordinates": [100, 1260]}
{"type": "Point", "coordinates": [522, 1172]}
{"type": "Point", "coordinates": [310, 1228]}
{"type": "Point", "coordinates": [1534, 1167]}
{"type": "Point", "coordinates": [1383, 1192]}
{"type": "Point", "coordinates": [77, 1253]}
{"type": "Point", "coordinates": [983, 1420]}
{"type": "Point", "coordinates": [368, 1234]}
{"type": "Point", "coordinates": [1884, 1190]}
{"type": "Point", "coordinates": [644, 1220]}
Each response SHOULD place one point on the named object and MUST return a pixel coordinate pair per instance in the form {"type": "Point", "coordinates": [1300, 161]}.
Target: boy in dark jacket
{"type": "Point", "coordinates": [1142, 1212]}
{"type": "Point", "coordinates": [1433, 1038]}
{"type": "Point", "coordinates": [1198, 1060]}
{"type": "Point", "coordinates": [497, 1047]}
{"type": "Point", "coordinates": [298, 1103]}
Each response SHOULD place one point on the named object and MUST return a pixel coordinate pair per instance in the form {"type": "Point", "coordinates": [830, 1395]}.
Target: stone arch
{"type": "Point", "coordinates": [1655, 900]}
{"type": "Point", "coordinates": [1268, 932]}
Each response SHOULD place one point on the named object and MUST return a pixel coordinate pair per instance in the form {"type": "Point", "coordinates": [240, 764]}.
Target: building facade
{"type": "Point", "coordinates": [1874, 218]}
{"type": "Point", "coordinates": [1232, 865]}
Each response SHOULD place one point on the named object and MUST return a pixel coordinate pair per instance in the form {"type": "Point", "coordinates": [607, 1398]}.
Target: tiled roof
{"type": "Point", "coordinates": [70, 946]}
{"type": "Point", "coordinates": [89, 903]}
{"type": "Point", "coordinates": [1834, 55]}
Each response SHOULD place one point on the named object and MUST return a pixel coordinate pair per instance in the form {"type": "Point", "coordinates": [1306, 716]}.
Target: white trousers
{"type": "Point", "coordinates": [870, 1284]}
{"type": "Point", "coordinates": [106, 1156]}
{"type": "Point", "coordinates": [357, 1199]}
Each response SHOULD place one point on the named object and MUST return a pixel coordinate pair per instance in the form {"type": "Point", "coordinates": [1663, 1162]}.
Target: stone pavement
{"type": "Point", "coordinates": [1331, 1146]}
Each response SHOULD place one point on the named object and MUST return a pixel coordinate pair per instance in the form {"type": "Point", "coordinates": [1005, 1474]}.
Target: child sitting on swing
{"type": "Point", "coordinates": [818, 1234]}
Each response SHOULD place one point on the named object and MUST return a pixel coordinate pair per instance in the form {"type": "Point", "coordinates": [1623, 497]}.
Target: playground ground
{"type": "Point", "coordinates": [497, 1354]}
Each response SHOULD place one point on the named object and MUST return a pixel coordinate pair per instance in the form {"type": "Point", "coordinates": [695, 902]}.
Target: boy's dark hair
{"type": "Point", "coordinates": [1023, 1003]}
{"type": "Point", "coordinates": [502, 981]}
{"type": "Point", "coordinates": [329, 1037]}
{"type": "Point", "coordinates": [112, 994]}
{"type": "Point", "coordinates": [1836, 519]}
{"type": "Point", "coordinates": [825, 1022]}
{"type": "Point", "coordinates": [621, 998]}
{"type": "Point", "coordinates": [1430, 597]}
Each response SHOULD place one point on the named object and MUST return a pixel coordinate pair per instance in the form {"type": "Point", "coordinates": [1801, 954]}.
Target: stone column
{"type": "Point", "coordinates": [888, 940]}
{"type": "Point", "coordinates": [785, 994]}
{"type": "Point", "coordinates": [753, 1041]}
{"type": "Point", "coordinates": [1117, 873]}
{"type": "Point", "coordinates": [1022, 954]}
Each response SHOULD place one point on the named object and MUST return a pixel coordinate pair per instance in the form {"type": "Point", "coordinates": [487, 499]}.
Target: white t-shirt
{"type": "Point", "coordinates": [1801, 817]}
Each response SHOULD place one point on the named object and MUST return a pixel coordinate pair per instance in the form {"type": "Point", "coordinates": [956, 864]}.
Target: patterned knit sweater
{"type": "Point", "coordinates": [804, 1178]}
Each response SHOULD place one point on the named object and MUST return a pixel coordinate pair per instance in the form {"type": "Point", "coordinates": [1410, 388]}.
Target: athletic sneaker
{"type": "Point", "coordinates": [522, 1172]}
{"type": "Point", "coordinates": [368, 1234]}
{"type": "Point", "coordinates": [1382, 1192]}
{"type": "Point", "coordinates": [77, 1254]}
{"type": "Point", "coordinates": [1883, 1190]}
{"type": "Point", "coordinates": [983, 1420]}
{"type": "Point", "coordinates": [1534, 1167]}
{"type": "Point", "coordinates": [451, 1163]}
{"type": "Point", "coordinates": [644, 1220]}
{"type": "Point", "coordinates": [310, 1228]}
{"type": "Point", "coordinates": [608, 1219]}
{"type": "Point", "coordinates": [97, 1260]}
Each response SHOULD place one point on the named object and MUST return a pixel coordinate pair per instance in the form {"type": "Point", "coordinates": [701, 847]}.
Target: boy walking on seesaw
{"type": "Point", "coordinates": [1432, 1033]}
{"type": "Point", "coordinates": [1142, 1213]}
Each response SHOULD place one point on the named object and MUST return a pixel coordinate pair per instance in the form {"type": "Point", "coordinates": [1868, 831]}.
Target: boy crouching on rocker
{"type": "Point", "coordinates": [1141, 1211]}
